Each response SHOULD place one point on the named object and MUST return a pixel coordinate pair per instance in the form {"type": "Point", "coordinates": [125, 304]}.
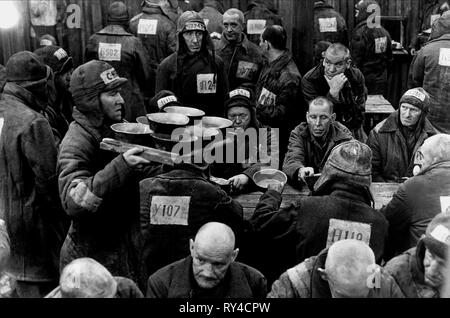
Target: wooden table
{"type": "Point", "coordinates": [377, 109]}
{"type": "Point", "coordinates": [382, 193]}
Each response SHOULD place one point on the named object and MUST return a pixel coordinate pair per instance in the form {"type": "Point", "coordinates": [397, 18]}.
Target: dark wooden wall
{"type": "Point", "coordinates": [297, 18]}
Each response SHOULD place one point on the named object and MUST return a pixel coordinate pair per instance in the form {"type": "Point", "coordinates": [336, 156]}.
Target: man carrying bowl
{"type": "Point", "coordinates": [100, 190]}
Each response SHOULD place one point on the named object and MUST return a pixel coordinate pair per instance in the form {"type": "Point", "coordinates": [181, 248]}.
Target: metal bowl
{"type": "Point", "coordinates": [194, 114]}
{"type": "Point", "coordinates": [166, 123]}
{"type": "Point", "coordinates": [216, 122]}
{"type": "Point", "coordinates": [202, 132]}
{"type": "Point", "coordinates": [265, 177]}
{"type": "Point", "coordinates": [133, 133]}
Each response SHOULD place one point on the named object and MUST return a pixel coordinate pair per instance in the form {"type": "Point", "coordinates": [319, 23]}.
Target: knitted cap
{"type": "Point", "coordinates": [417, 97]}
{"type": "Point", "coordinates": [118, 12]}
{"type": "Point", "coordinates": [351, 162]}
{"type": "Point", "coordinates": [25, 66]}
{"type": "Point", "coordinates": [240, 97]}
{"type": "Point", "coordinates": [163, 99]}
{"type": "Point", "coordinates": [55, 57]}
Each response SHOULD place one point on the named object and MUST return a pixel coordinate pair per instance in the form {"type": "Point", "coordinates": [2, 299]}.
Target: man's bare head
{"type": "Point", "coordinates": [212, 253]}
{"type": "Point", "coordinates": [347, 268]}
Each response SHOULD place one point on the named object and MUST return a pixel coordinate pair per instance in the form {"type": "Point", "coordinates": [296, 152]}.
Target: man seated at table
{"type": "Point", "coordinates": [346, 270]}
{"type": "Point", "coordinates": [311, 143]}
{"type": "Point", "coordinates": [259, 150]}
{"type": "Point", "coordinates": [420, 198]}
{"type": "Point", "coordinates": [210, 271]}
{"type": "Point", "coordinates": [420, 272]}
{"type": "Point", "coordinates": [343, 84]}
{"type": "Point", "coordinates": [395, 140]}
{"type": "Point", "coordinates": [339, 208]}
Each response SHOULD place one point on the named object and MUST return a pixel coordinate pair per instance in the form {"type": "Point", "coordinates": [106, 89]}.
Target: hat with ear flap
{"type": "Point", "coordinates": [437, 235]}
{"type": "Point", "coordinates": [350, 162]}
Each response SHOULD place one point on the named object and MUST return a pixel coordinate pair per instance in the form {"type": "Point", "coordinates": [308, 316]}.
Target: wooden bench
{"type": "Point", "coordinates": [382, 193]}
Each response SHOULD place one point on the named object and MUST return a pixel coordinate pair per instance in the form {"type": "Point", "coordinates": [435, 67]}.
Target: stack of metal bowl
{"type": "Point", "coordinates": [133, 133]}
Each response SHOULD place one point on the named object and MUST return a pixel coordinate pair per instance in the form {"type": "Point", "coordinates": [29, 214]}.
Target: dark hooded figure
{"type": "Point", "coordinates": [116, 46]}
{"type": "Point", "coordinates": [193, 73]}
{"type": "Point", "coordinates": [395, 141]}
{"type": "Point", "coordinates": [371, 48]}
{"type": "Point", "coordinates": [420, 272]}
{"type": "Point", "coordinates": [158, 32]}
{"type": "Point", "coordinates": [429, 69]}
{"type": "Point", "coordinates": [99, 190]}
{"type": "Point", "coordinates": [212, 15]}
{"type": "Point", "coordinates": [59, 112]}
{"type": "Point", "coordinates": [29, 201]}
{"type": "Point", "coordinates": [260, 14]}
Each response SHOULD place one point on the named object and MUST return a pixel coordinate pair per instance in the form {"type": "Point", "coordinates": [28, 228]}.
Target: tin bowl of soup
{"type": "Point", "coordinates": [264, 177]}
{"type": "Point", "coordinates": [195, 115]}
{"type": "Point", "coordinates": [166, 123]}
{"type": "Point", "coordinates": [133, 133]}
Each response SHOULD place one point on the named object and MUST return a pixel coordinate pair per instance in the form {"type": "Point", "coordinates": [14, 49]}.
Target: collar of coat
{"type": "Point", "coordinates": [183, 283]}
{"type": "Point", "coordinates": [152, 9]}
{"type": "Point", "coordinates": [244, 43]}
{"type": "Point", "coordinates": [103, 131]}
{"type": "Point", "coordinates": [391, 124]}
{"type": "Point", "coordinates": [114, 29]}
{"type": "Point", "coordinates": [16, 92]}
{"type": "Point", "coordinates": [445, 37]}
{"type": "Point", "coordinates": [337, 133]}
{"type": "Point", "coordinates": [279, 64]}
{"type": "Point", "coordinates": [321, 289]}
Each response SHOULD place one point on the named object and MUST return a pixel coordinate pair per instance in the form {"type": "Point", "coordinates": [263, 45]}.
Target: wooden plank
{"type": "Point", "coordinates": [377, 104]}
{"type": "Point", "coordinates": [148, 153]}
{"type": "Point", "coordinates": [382, 194]}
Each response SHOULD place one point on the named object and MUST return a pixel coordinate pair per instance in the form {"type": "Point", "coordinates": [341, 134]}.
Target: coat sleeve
{"type": "Point", "coordinates": [295, 156]}
{"type": "Point", "coordinates": [275, 115]}
{"type": "Point", "coordinates": [156, 288]}
{"type": "Point", "coordinates": [358, 47]}
{"type": "Point", "coordinates": [374, 143]}
{"type": "Point", "coordinates": [282, 288]}
{"type": "Point", "coordinates": [399, 218]}
{"type": "Point", "coordinates": [270, 222]}
{"type": "Point", "coordinates": [38, 147]}
{"type": "Point", "coordinates": [82, 189]}
{"type": "Point", "coordinates": [141, 69]}
{"type": "Point", "coordinates": [417, 70]}
{"type": "Point", "coordinates": [309, 90]}
{"type": "Point", "coordinates": [163, 77]}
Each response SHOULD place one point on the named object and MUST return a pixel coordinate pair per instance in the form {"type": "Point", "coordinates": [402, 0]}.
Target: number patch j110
{"type": "Point", "coordinates": [169, 210]}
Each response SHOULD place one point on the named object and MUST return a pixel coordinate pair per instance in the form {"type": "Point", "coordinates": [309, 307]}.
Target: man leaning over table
{"type": "Point", "coordinates": [339, 208]}
{"type": "Point", "coordinates": [311, 143]}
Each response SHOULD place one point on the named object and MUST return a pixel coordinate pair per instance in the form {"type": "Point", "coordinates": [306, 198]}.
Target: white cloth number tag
{"type": "Point", "coordinates": [445, 204]}
{"type": "Point", "coordinates": [169, 210]}
{"type": "Point", "coordinates": [328, 25]}
{"type": "Point", "coordinates": [246, 70]}
{"type": "Point", "coordinates": [433, 18]}
{"type": "Point", "coordinates": [343, 230]}
{"type": "Point", "coordinates": [206, 84]}
{"type": "Point", "coordinates": [444, 57]}
{"type": "Point", "coordinates": [380, 45]}
{"type": "Point", "coordinates": [256, 26]}
{"type": "Point", "coordinates": [267, 98]}
{"type": "Point", "coordinates": [147, 26]}
{"type": "Point", "coordinates": [109, 51]}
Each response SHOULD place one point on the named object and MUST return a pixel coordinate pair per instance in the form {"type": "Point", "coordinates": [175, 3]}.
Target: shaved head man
{"type": "Point", "coordinates": [212, 253]}
{"type": "Point", "coordinates": [210, 271]}
{"type": "Point", "coordinates": [347, 269]}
